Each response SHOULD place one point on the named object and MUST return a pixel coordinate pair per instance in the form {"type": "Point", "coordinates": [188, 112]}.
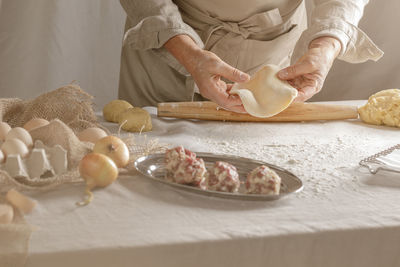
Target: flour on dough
{"type": "Point", "coordinates": [265, 95]}
{"type": "Point", "coordinates": [382, 108]}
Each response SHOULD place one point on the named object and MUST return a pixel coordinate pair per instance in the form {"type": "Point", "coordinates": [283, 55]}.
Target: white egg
{"type": "Point", "coordinates": [1, 156]}
{"type": "Point", "coordinates": [92, 135]}
{"type": "Point", "coordinates": [14, 146]}
{"type": "Point", "coordinates": [4, 129]}
{"type": "Point", "coordinates": [35, 123]}
{"type": "Point", "coordinates": [21, 134]}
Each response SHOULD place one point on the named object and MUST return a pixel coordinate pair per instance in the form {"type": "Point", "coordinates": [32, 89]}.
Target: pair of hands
{"type": "Point", "coordinates": [307, 75]}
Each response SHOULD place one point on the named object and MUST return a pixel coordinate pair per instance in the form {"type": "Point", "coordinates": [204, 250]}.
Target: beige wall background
{"type": "Point", "coordinates": [45, 44]}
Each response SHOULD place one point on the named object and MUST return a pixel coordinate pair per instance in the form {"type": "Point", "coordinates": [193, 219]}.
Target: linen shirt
{"type": "Point", "coordinates": [156, 21]}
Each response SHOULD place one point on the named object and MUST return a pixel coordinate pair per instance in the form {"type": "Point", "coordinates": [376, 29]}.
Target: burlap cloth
{"type": "Point", "coordinates": [69, 104]}
{"type": "Point", "coordinates": [69, 110]}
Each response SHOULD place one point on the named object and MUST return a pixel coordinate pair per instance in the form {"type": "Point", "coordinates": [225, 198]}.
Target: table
{"type": "Point", "coordinates": [343, 217]}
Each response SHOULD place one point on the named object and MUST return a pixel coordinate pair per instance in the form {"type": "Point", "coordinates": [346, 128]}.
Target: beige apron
{"type": "Point", "coordinates": [263, 38]}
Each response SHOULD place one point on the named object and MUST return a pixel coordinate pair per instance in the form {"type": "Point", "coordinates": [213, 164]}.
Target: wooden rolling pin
{"type": "Point", "coordinates": [295, 112]}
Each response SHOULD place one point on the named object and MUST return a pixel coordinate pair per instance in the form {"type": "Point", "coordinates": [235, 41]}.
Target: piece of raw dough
{"type": "Point", "coordinates": [263, 180]}
{"type": "Point", "coordinates": [113, 109]}
{"type": "Point", "coordinates": [382, 108]}
{"type": "Point", "coordinates": [135, 120]}
{"type": "Point", "coordinates": [265, 95]}
{"type": "Point", "coordinates": [183, 167]}
{"type": "Point", "coordinates": [20, 201]}
{"type": "Point", "coordinates": [223, 177]}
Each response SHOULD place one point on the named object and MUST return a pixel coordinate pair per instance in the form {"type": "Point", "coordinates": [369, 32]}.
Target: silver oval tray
{"type": "Point", "coordinates": [153, 167]}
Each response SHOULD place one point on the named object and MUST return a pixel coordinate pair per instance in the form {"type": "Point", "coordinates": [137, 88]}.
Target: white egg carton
{"type": "Point", "coordinates": [42, 162]}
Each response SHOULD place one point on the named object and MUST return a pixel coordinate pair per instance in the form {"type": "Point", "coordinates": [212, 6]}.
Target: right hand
{"type": "Point", "coordinates": [207, 69]}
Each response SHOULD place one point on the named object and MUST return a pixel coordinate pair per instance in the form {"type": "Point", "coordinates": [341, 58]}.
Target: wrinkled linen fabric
{"type": "Point", "coordinates": [339, 19]}
{"type": "Point", "coordinates": [344, 216]}
{"type": "Point", "coordinates": [14, 239]}
{"type": "Point", "coordinates": [156, 22]}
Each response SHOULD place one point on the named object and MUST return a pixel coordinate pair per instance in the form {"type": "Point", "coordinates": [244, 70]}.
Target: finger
{"type": "Point", "coordinates": [305, 93]}
{"type": "Point", "coordinates": [222, 92]}
{"type": "Point", "coordinates": [234, 100]}
{"type": "Point", "coordinates": [218, 92]}
{"type": "Point", "coordinates": [294, 71]}
{"type": "Point", "coordinates": [229, 87]}
{"type": "Point", "coordinates": [232, 74]}
{"type": "Point", "coordinates": [238, 109]}
{"type": "Point", "coordinates": [300, 97]}
{"type": "Point", "coordinates": [227, 100]}
{"type": "Point", "coordinates": [224, 99]}
{"type": "Point", "coordinates": [302, 82]}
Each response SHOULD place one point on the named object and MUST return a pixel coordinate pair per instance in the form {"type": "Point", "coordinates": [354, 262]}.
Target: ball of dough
{"type": "Point", "coordinates": [135, 120]}
{"type": "Point", "coordinates": [223, 177]}
{"type": "Point", "coordinates": [176, 155]}
{"type": "Point", "coordinates": [263, 180]}
{"type": "Point", "coordinates": [113, 109]}
{"type": "Point", "coordinates": [382, 108]}
{"type": "Point", "coordinates": [183, 167]}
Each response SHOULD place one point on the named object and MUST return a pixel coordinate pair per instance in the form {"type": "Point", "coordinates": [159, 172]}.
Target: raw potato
{"type": "Point", "coordinates": [382, 108]}
{"type": "Point", "coordinates": [20, 201]}
{"type": "Point", "coordinates": [265, 95]}
{"type": "Point", "coordinates": [6, 213]}
{"type": "Point", "coordinates": [112, 110]}
{"type": "Point", "coordinates": [135, 120]}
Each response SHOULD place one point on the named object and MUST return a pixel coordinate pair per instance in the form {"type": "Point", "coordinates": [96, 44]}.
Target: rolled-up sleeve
{"type": "Point", "coordinates": [154, 23]}
{"type": "Point", "coordinates": [339, 19]}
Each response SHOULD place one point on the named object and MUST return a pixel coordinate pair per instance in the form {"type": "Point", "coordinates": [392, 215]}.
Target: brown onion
{"type": "Point", "coordinates": [114, 148]}
{"type": "Point", "coordinates": [97, 170]}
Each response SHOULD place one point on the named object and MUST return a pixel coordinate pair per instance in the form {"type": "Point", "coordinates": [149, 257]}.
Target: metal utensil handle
{"type": "Point", "coordinates": [372, 159]}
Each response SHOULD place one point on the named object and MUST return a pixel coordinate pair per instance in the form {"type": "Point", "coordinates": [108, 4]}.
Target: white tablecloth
{"type": "Point", "coordinates": [343, 217]}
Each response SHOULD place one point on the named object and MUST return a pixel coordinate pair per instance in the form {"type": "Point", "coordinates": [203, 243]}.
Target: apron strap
{"type": "Point", "coordinates": [252, 25]}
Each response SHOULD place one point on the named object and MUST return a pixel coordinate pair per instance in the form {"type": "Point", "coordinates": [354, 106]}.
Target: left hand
{"type": "Point", "coordinates": [308, 74]}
